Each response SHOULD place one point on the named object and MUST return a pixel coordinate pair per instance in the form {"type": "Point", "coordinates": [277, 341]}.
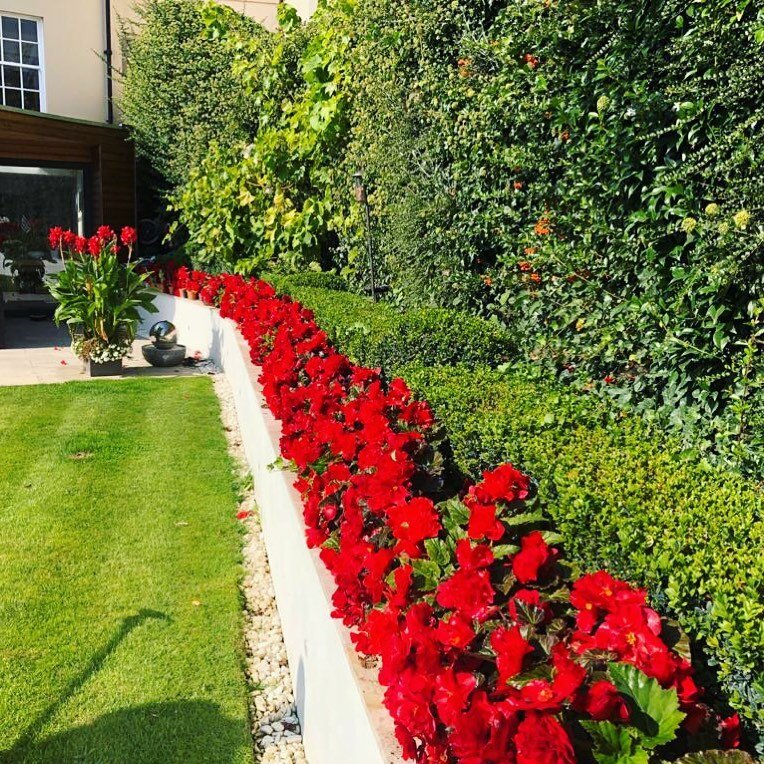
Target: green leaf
{"type": "Point", "coordinates": [526, 518]}
{"type": "Point", "coordinates": [614, 745]}
{"type": "Point", "coordinates": [438, 551]}
{"type": "Point", "coordinates": [455, 514]}
{"type": "Point", "coordinates": [427, 573]}
{"type": "Point", "coordinates": [654, 711]}
{"type": "Point", "coordinates": [504, 550]}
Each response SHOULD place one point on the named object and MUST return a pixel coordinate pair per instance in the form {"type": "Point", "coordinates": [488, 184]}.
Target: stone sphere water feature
{"type": "Point", "coordinates": [163, 351]}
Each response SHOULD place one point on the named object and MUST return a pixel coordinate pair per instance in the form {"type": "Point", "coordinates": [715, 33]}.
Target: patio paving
{"type": "Point", "coordinates": [38, 352]}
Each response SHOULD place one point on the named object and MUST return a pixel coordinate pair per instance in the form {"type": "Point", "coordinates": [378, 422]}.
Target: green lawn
{"type": "Point", "coordinates": [120, 615]}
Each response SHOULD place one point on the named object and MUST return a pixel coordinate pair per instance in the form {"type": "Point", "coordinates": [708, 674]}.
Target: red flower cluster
{"type": "Point", "coordinates": [192, 282]}
{"type": "Point", "coordinates": [73, 244]}
{"type": "Point", "coordinates": [489, 653]}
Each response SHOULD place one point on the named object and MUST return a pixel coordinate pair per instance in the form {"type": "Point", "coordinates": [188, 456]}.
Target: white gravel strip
{"type": "Point", "coordinates": [275, 726]}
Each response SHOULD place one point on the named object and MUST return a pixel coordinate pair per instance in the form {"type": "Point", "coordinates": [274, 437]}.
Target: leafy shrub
{"type": "Point", "coordinates": [627, 500]}
{"type": "Point", "coordinates": [180, 92]}
{"type": "Point", "coordinates": [377, 335]}
{"type": "Point", "coordinates": [277, 199]}
{"type": "Point", "coordinates": [314, 279]}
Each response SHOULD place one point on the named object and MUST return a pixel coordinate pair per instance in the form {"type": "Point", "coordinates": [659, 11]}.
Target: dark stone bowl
{"type": "Point", "coordinates": [164, 357]}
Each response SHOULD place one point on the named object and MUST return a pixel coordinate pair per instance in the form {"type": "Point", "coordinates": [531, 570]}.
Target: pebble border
{"type": "Point", "coordinates": [275, 726]}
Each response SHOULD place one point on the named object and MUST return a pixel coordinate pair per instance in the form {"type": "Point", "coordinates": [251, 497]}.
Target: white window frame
{"type": "Point", "coordinates": [40, 52]}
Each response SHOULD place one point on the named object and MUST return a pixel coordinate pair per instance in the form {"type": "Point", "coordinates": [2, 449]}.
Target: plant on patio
{"type": "Point", "coordinates": [492, 647]}
{"type": "Point", "coordinates": [99, 296]}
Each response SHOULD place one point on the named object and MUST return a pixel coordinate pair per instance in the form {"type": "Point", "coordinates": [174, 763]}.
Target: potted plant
{"type": "Point", "coordinates": [99, 296]}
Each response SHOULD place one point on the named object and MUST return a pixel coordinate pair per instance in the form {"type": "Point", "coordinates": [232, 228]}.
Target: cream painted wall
{"type": "Point", "coordinates": [74, 40]}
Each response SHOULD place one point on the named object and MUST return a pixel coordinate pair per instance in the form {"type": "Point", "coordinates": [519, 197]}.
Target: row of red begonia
{"type": "Point", "coordinates": [490, 648]}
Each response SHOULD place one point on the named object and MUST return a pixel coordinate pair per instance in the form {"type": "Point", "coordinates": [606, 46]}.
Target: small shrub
{"type": "Point", "coordinates": [179, 90]}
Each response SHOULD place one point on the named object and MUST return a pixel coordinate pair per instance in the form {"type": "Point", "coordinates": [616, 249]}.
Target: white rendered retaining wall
{"type": "Point", "coordinates": [339, 702]}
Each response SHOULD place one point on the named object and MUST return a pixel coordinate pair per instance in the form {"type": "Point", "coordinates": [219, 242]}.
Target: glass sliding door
{"type": "Point", "coordinates": [32, 200]}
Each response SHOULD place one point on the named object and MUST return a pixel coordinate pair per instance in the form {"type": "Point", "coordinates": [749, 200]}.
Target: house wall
{"type": "Point", "coordinates": [74, 40]}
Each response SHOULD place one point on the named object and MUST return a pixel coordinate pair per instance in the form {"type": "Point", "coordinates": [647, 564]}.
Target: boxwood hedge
{"type": "Point", "coordinates": [625, 496]}
{"type": "Point", "coordinates": [317, 279]}
{"type": "Point", "coordinates": [376, 334]}
{"type": "Point", "coordinates": [627, 499]}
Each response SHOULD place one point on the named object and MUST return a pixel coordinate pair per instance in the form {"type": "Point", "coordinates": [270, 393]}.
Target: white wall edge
{"type": "Point", "coordinates": [339, 701]}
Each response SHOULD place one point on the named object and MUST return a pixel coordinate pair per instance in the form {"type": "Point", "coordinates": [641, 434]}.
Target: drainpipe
{"type": "Point", "coordinates": [108, 56]}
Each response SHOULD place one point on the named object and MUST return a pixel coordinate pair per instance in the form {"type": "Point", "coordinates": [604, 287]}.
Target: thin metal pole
{"type": "Point", "coordinates": [370, 249]}
{"type": "Point", "coordinates": [108, 54]}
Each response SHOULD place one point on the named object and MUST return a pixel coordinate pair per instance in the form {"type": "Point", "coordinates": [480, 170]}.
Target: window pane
{"type": "Point", "coordinates": [29, 54]}
{"type": "Point", "coordinates": [12, 76]}
{"type": "Point", "coordinates": [11, 51]}
{"type": "Point", "coordinates": [30, 79]}
{"type": "Point", "coordinates": [31, 100]}
{"type": "Point", "coordinates": [13, 98]}
{"type": "Point", "coordinates": [10, 27]}
{"type": "Point", "coordinates": [28, 30]}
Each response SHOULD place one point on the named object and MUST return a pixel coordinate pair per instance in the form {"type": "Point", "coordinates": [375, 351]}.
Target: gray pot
{"type": "Point", "coordinates": [106, 369]}
{"type": "Point", "coordinates": [164, 357]}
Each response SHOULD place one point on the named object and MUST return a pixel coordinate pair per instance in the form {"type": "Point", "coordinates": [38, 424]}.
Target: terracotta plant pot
{"type": "Point", "coordinates": [182, 292]}
{"type": "Point", "coordinates": [192, 294]}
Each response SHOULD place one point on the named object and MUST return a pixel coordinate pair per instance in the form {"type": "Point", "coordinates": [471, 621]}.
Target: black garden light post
{"type": "Point", "coordinates": [362, 198]}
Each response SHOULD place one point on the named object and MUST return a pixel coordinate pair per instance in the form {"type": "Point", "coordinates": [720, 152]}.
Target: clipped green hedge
{"type": "Point", "coordinates": [316, 279]}
{"type": "Point", "coordinates": [375, 334]}
{"type": "Point", "coordinates": [628, 500]}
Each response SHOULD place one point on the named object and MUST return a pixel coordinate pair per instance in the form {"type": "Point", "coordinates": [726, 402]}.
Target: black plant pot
{"type": "Point", "coordinates": [106, 369]}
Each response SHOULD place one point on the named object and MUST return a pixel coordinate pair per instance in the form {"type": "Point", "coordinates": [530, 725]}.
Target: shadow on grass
{"type": "Point", "coordinates": [127, 625]}
{"type": "Point", "coordinates": [114, 737]}
{"type": "Point", "coordinates": [188, 731]}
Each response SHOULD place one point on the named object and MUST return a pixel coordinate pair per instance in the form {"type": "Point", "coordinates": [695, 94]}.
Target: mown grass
{"type": "Point", "coordinates": [120, 617]}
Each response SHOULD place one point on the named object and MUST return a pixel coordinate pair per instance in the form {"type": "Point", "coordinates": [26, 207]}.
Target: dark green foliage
{"type": "Point", "coordinates": [587, 173]}
{"type": "Point", "coordinates": [378, 335]}
{"type": "Point", "coordinates": [180, 92]}
{"type": "Point", "coordinates": [316, 279]}
{"type": "Point", "coordinates": [627, 500]}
